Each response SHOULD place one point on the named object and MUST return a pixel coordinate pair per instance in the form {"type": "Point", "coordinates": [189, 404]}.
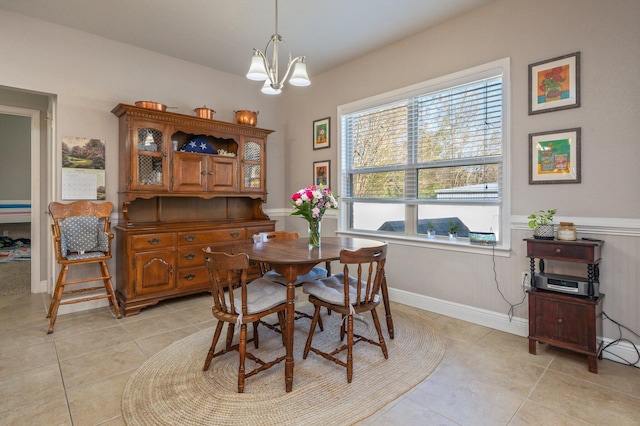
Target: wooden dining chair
{"type": "Point", "coordinates": [315, 274]}
{"type": "Point", "coordinates": [237, 302]}
{"type": "Point", "coordinates": [353, 291]}
{"type": "Point", "coordinates": [81, 235]}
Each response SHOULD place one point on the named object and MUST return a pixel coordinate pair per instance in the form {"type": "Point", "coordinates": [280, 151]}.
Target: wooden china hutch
{"type": "Point", "coordinates": [175, 203]}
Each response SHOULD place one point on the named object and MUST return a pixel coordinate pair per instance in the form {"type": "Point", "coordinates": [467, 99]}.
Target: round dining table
{"type": "Point", "coordinates": [295, 257]}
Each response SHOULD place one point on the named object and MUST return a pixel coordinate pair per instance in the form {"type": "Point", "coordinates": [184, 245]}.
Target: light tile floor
{"type": "Point", "coordinates": [76, 375]}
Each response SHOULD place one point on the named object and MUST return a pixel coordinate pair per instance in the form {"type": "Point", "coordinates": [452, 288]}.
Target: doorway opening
{"type": "Point", "coordinates": [25, 133]}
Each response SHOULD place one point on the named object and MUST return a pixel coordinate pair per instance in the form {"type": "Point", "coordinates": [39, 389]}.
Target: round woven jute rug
{"type": "Point", "coordinates": [171, 389]}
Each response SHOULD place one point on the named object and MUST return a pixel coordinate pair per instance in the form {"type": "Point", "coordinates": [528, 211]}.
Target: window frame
{"type": "Point", "coordinates": [410, 235]}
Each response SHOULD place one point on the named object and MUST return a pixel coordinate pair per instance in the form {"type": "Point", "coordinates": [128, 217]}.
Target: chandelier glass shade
{"type": "Point", "coordinates": [261, 69]}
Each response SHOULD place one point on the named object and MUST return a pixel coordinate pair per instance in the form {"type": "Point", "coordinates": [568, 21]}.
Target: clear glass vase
{"type": "Point", "coordinates": [314, 233]}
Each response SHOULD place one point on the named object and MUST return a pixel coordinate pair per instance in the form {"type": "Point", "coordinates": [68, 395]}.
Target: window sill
{"type": "Point", "coordinates": [437, 243]}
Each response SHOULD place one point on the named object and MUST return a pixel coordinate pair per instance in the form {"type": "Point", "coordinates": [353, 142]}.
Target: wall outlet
{"type": "Point", "coordinates": [526, 279]}
{"type": "Point", "coordinates": [5, 233]}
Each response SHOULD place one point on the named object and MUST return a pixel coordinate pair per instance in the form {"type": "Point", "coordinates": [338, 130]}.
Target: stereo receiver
{"type": "Point", "coordinates": [565, 284]}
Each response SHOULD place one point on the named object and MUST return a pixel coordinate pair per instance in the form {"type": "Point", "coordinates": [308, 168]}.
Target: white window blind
{"type": "Point", "coordinates": [417, 148]}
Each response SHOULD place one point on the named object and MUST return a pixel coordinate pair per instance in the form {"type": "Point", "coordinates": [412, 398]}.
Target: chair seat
{"type": "Point", "coordinates": [316, 273]}
{"type": "Point", "coordinates": [81, 256]}
{"type": "Point", "coordinates": [331, 289]}
{"type": "Point", "coordinates": [262, 295]}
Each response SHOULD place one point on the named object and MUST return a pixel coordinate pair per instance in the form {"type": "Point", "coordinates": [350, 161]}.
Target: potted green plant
{"type": "Point", "coordinates": [541, 222]}
{"type": "Point", "coordinates": [453, 230]}
{"type": "Point", "coordinates": [431, 230]}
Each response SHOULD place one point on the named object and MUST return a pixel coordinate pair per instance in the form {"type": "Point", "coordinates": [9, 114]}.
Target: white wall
{"type": "Point", "coordinates": [91, 75]}
{"type": "Point", "coordinates": [605, 205]}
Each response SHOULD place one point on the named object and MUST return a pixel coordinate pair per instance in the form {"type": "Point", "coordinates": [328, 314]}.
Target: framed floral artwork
{"type": "Point", "coordinates": [554, 157]}
{"type": "Point", "coordinates": [321, 173]}
{"type": "Point", "coordinates": [321, 131]}
{"type": "Point", "coordinates": [554, 84]}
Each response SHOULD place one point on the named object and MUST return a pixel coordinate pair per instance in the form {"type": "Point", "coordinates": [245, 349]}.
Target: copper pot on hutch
{"type": "Point", "coordinates": [204, 112]}
{"type": "Point", "coordinates": [151, 105]}
{"type": "Point", "coordinates": [249, 118]}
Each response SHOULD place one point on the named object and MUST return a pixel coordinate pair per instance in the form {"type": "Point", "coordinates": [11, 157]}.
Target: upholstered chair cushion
{"type": "Point", "coordinates": [316, 273]}
{"type": "Point", "coordinates": [331, 289]}
{"type": "Point", "coordinates": [82, 235]}
{"type": "Point", "coordinates": [262, 294]}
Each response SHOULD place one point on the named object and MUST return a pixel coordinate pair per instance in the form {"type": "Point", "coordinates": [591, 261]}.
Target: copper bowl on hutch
{"type": "Point", "coordinates": [249, 118]}
{"type": "Point", "coordinates": [204, 112]}
{"type": "Point", "coordinates": [151, 105]}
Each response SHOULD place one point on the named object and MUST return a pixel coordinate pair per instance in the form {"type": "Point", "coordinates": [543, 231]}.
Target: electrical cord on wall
{"type": "Point", "coordinates": [512, 306]}
{"type": "Point", "coordinates": [622, 339]}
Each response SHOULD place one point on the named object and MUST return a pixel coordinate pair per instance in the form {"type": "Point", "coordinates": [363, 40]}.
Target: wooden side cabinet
{"type": "Point", "coordinates": [568, 322]}
{"type": "Point", "coordinates": [565, 320]}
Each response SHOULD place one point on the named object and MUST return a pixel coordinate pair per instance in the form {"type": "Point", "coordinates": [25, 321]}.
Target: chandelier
{"type": "Point", "coordinates": [262, 70]}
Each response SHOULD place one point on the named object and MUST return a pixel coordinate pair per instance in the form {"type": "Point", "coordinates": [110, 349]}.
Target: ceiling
{"type": "Point", "coordinates": [222, 33]}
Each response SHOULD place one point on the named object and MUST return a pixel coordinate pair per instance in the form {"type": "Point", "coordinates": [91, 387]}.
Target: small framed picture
{"type": "Point", "coordinates": [321, 173]}
{"type": "Point", "coordinates": [554, 157]}
{"type": "Point", "coordinates": [321, 133]}
{"type": "Point", "coordinates": [554, 84]}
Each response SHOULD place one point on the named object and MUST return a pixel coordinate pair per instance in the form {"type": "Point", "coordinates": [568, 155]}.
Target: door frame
{"type": "Point", "coordinates": [37, 286]}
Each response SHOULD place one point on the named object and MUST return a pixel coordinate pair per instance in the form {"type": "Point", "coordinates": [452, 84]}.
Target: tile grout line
{"type": "Point", "coordinates": [533, 388]}
{"type": "Point", "coordinates": [64, 386]}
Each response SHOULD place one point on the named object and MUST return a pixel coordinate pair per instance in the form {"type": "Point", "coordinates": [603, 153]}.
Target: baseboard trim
{"type": "Point", "coordinates": [623, 352]}
{"type": "Point", "coordinates": [495, 320]}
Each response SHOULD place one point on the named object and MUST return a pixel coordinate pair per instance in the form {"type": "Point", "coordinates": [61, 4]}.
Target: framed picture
{"type": "Point", "coordinates": [554, 84]}
{"type": "Point", "coordinates": [554, 157]}
{"type": "Point", "coordinates": [83, 171]}
{"type": "Point", "coordinates": [321, 173]}
{"type": "Point", "coordinates": [321, 132]}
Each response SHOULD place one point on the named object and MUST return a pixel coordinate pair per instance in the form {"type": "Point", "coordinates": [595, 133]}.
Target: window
{"type": "Point", "coordinates": [427, 156]}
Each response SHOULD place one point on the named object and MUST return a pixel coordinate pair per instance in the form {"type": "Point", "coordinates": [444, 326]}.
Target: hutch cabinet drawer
{"type": "Point", "coordinates": [152, 241]}
{"type": "Point", "coordinates": [252, 230]}
{"type": "Point", "coordinates": [193, 277]}
{"type": "Point", "coordinates": [211, 236]}
{"type": "Point", "coordinates": [196, 237]}
{"type": "Point", "coordinates": [224, 235]}
{"type": "Point", "coordinates": [191, 256]}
